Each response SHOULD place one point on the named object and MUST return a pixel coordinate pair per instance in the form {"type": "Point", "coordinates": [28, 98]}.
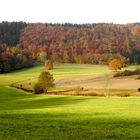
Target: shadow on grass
{"type": "Point", "coordinates": [48, 102]}
{"type": "Point", "coordinates": [11, 99]}
{"type": "Point", "coordinates": [18, 70]}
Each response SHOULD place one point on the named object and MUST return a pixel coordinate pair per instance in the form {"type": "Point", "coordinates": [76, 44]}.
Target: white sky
{"type": "Point", "coordinates": [73, 11]}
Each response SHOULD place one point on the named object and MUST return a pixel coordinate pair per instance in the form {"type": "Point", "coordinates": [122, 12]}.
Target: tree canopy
{"type": "Point", "coordinates": [45, 81]}
{"type": "Point", "coordinates": [115, 64]}
{"type": "Point", "coordinates": [22, 43]}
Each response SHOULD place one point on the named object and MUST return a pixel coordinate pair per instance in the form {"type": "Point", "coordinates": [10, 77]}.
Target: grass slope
{"type": "Point", "coordinates": [60, 71]}
{"type": "Point", "coordinates": [28, 77]}
{"type": "Point", "coordinates": [30, 117]}
{"type": "Point", "coordinates": [24, 116]}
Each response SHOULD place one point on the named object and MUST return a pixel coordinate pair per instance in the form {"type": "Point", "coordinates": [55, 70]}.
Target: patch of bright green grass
{"type": "Point", "coordinates": [60, 71]}
{"type": "Point", "coordinates": [27, 117]}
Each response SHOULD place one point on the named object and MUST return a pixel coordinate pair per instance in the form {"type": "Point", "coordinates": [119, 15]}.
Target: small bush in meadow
{"type": "Point", "coordinates": [38, 89]}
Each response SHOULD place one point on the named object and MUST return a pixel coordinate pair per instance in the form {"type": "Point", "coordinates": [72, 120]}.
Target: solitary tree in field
{"type": "Point", "coordinates": [48, 65]}
{"type": "Point", "coordinates": [115, 64]}
{"type": "Point", "coordinates": [45, 81]}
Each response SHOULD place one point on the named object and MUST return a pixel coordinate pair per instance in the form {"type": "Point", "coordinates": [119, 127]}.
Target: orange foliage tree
{"type": "Point", "coordinates": [115, 64]}
{"type": "Point", "coordinates": [136, 31]}
{"type": "Point", "coordinates": [48, 65]}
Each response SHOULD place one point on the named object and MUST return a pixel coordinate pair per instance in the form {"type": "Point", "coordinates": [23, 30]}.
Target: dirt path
{"type": "Point", "coordinates": [100, 82]}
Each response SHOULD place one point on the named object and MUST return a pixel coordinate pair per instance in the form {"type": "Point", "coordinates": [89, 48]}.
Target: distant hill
{"type": "Point", "coordinates": [85, 43]}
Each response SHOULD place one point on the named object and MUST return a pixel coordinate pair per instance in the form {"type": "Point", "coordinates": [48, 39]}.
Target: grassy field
{"type": "Point", "coordinates": [60, 71]}
{"type": "Point", "coordinates": [25, 116]}
{"type": "Point", "coordinates": [28, 77]}
{"type": "Point", "coordinates": [31, 117]}
{"type": "Point", "coordinates": [73, 74]}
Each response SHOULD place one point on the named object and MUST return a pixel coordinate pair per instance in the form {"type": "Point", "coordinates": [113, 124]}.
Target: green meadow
{"type": "Point", "coordinates": [25, 116]}
{"type": "Point", "coordinates": [60, 71]}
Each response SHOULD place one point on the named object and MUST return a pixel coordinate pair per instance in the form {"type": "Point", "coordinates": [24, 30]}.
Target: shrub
{"type": "Point", "coordinates": [127, 73]}
{"type": "Point", "coordinates": [138, 78]}
{"type": "Point", "coordinates": [38, 89]}
{"type": "Point", "coordinates": [137, 72]}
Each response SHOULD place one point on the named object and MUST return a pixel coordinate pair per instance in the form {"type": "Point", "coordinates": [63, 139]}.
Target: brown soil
{"type": "Point", "coordinates": [100, 82]}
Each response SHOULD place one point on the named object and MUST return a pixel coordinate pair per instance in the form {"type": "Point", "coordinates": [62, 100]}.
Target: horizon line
{"type": "Point", "coordinates": [72, 23]}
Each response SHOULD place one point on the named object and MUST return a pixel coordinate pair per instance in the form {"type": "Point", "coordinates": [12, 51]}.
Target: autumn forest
{"type": "Point", "coordinates": [23, 44]}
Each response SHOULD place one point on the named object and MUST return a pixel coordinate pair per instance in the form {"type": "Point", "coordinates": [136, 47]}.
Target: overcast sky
{"type": "Point", "coordinates": [73, 11]}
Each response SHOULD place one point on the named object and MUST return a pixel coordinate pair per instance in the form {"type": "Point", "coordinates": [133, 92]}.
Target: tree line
{"type": "Point", "coordinates": [12, 56]}
{"type": "Point", "coordinates": [21, 44]}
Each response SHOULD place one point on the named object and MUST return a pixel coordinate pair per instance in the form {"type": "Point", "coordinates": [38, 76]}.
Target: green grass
{"type": "Point", "coordinates": [66, 71]}
{"type": "Point", "coordinates": [60, 71]}
{"type": "Point", "coordinates": [30, 117]}
{"type": "Point", "coordinates": [25, 116]}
